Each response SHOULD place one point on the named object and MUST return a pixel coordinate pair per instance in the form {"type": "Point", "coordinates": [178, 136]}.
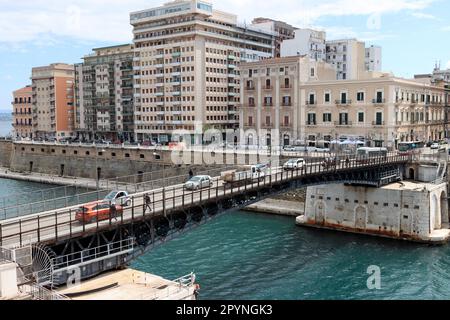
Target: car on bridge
{"type": "Point", "coordinates": [198, 182]}
{"type": "Point", "coordinates": [121, 198]}
{"type": "Point", "coordinates": [294, 164]}
{"type": "Point", "coordinates": [98, 211]}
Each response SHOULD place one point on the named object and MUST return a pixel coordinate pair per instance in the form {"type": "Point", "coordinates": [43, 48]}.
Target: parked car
{"type": "Point", "coordinates": [198, 182]}
{"type": "Point", "coordinates": [118, 197]}
{"type": "Point", "coordinates": [98, 211]}
{"type": "Point", "coordinates": [435, 146]}
{"type": "Point", "coordinates": [294, 164]}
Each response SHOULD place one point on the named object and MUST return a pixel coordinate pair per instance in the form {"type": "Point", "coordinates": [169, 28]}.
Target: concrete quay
{"type": "Point", "coordinates": [278, 207]}
{"type": "Point", "coordinates": [6, 173]}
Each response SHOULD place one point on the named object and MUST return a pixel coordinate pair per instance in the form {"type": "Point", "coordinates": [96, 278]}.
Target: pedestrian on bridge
{"type": "Point", "coordinates": [147, 203]}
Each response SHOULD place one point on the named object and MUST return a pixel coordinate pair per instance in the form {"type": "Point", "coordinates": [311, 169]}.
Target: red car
{"type": "Point", "coordinates": [98, 211]}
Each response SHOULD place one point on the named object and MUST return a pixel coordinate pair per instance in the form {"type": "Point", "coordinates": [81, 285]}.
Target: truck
{"type": "Point", "coordinates": [244, 174]}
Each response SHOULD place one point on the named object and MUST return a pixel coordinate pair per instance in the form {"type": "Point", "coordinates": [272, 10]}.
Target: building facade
{"type": "Point", "coordinates": [301, 101]}
{"type": "Point", "coordinates": [348, 58]}
{"type": "Point", "coordinates": [22, 113]}
{"type": "Point", "coordinates": [185, 67]}
{"type": "Point", "coordinates": [53, 101]}
{"type": "Point", "coordinates": [104, 94]}
{"type": "Point", "coordinates": [306, 42]}
{"type": "Point", "coordinates": [374, 58]}
{"type": "Point", "coordinates": [283, 30]}
{"type": "Point", "coordinates": [380, 111]}
{"type": "Point", "coordinates": [271, 109]}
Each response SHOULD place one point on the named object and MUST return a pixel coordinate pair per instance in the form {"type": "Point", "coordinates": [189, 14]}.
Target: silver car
{"type": "Point", "coordinates": [198, 182]}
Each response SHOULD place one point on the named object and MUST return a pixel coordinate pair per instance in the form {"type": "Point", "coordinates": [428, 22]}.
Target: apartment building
{"type": "Point", "coordinates": [272, 101]}
{"type": "Point", "coordinates": [283, 30]}
{"type": "Point", "coordinates": [306, 42]}
{"type": "Point", "coordinates": [22, 113]}
{"type": "Point", "coordinates": [378, 110]}
{"type": "Point", "coordinates": [185, 64]}
{"type": "Point", "coordinates": [53, 101]}
{"type": "Point", "coordinates": [374, 58]}
{"type": "Point", "coordinates": [104, 94]}
{"type": "Point", "coordinates": [348, 57]}
{"type": "Point", "coordinates": [298, 100]}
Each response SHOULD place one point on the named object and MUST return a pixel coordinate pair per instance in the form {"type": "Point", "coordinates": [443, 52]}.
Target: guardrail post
{"type": "Point", "coordinates": [164, 201]}
{"type": "Point", "coordinates": [56, 226]}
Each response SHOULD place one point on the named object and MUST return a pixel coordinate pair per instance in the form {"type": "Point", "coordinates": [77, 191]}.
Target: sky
{"type": "Point", "coordinates": [414, 34]}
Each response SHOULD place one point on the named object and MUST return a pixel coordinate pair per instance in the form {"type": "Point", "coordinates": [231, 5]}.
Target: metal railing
{"type": "Point", "coordinates": [56, 198]}
{"type": "Point", "coordinates": [80, 258]}
{"type": "Point", "coordinates": [65, 224]}
{"type": "Point", "coordinates": [37, 292]}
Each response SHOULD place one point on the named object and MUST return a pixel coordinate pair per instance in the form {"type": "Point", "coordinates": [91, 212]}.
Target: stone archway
{"type": "Point", "coordinates": [360, 217]}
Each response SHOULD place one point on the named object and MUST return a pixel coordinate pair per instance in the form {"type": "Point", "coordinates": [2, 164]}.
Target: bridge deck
{"type": "Point", "coordinates": [57, 226]}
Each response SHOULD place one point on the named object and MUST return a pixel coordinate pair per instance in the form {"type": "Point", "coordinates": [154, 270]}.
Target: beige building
{"type": "Point", "coordinates": [185, 63]}
{"type": "Point", "coordinates": [348, 56]}
{"type": "Point", "coordinates": [53, 101]}
{"type": "Point", "coordinates": [299, 101]}
{"type": "Point", "coordinates": [22, 113]}
{"type": "Point", "coordinates": [272, 100]}
{"type": "Point", "coordinates": [381, 110]}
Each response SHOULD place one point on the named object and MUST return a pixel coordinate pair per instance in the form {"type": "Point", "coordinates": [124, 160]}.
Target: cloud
{"type": "Point", "coordinates": [108, 20]}
{"type": "Point", "coordinates": [421, 15]}
{"type": "Point", "coordinates": [448, 65]}
{"type": "Point", "coordinates": [446, 28]}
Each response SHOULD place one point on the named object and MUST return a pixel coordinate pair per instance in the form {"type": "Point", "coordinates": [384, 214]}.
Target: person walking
{"type": "Point", "coordinates": [191, 174]}
{"type": "Point", "coordinates": [147, 203]}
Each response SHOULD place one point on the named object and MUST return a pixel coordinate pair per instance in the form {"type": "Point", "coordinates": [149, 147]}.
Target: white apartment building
{"type": "Point", "coordinates": [185, 67]}
{"type": "Point", "coordinates": [306, 42]}
{"type": "Point", "coordinates": [348, 58]}
{"type": "Point", "coordinates": [374, 58]}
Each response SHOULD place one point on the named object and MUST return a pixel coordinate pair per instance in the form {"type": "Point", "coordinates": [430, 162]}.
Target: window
{"type": "Point", "coordinates": [343, 118]}
{"type": "Point", "coordinates": [360, 96]}
{"type": "Point", "coordinates": [311, 118]}
{"type": "Point", "coordinates": [327, 97]}
{"type": "Point", "coordinates": [360, 116]}
{"type": "Point", "coordinates": [312, 99]}
{"type": "Point", "coordinates": [268, 121]}
{"type": "Point", "coordinates": [344, 97]}
{"type": "Point", "coordinates": [327, 117]}
{"type": "Point", "coordinates": [379, 118]}
{"type": "Point", "coordinates": [313, 72]}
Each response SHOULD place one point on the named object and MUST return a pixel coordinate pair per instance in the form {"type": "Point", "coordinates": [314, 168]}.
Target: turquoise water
{"type": "Point", "coordinates": [255, 256]}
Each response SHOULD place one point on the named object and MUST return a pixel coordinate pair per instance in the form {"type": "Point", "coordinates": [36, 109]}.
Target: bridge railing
{"type": "Point", "coordinates": [65, 224]}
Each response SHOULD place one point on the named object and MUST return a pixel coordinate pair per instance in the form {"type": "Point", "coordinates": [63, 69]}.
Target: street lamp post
{"type": "Point", "coordinates": [97, 176]}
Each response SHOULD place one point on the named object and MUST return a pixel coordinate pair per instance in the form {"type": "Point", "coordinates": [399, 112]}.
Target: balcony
{"type": "Point", "coordinates": [267, 87]}
{"type": "Point", "coordinates": [343, 102]}
{"type": "Point", "coordinates": [286, 86]}
{"type": "Point", "coordinates": [268, 104]}
{"type": "Point", "coordinates": [267, 125]}
{"type": "Point", "coordinates": [311, 123]}
{"type": "Point", "coordinates": [311, 103]}
{"type": "Point", "coordinates": [378, 123]}
{"type": "Point", "coordinates": [379, 101]}
{"type": "Point", "coordinates": [286, 125]}
{"type": "Point", "coordinates": [176, 54]}
{"type": "Point", "coordinates": [250, 88]}
{"type": "Point", "coordinates": [343, 123]}
{"type": "Point", "coordinates": [231, 57]}
{"type": "Point", "coordinates": [286, 104]}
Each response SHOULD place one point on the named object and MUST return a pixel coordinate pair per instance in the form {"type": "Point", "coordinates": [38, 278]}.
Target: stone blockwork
{"type": "Point", "coordinates": [6, 148]}
{"type": "Point", "coordinates": [405, 210]}
{"type": "Point", "coordinates": [82, 161]}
